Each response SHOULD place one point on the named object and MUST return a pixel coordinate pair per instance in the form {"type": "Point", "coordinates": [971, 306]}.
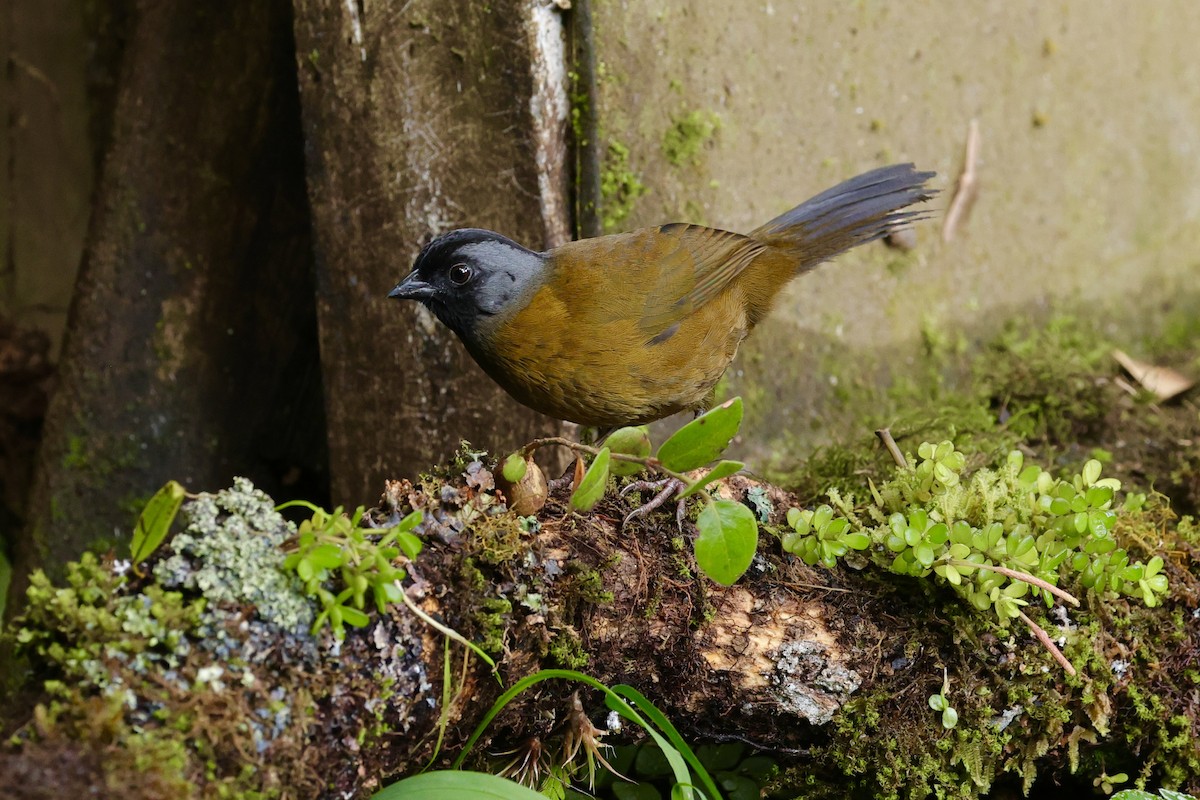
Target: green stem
{"type": "Point", "coordinates": [447, 632]}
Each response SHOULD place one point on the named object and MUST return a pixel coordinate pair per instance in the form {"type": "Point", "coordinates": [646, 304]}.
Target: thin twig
{"type": "Point", "coordinates": [649, 461]}
{"type": "Point", "coordinates": [447, 631]}
{"type": "Point", "coordinates": [1047, 642]}
{"type": "Point", "coordinates": [885, 436]}
{"type": "Point", "coordinates": [966, 188]}
{"type": "Point", "coordinates": [1017, 575]}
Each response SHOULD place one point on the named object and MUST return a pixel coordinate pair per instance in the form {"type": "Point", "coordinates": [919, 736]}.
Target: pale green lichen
{"type": "Point", "coordinates": [230, 553]}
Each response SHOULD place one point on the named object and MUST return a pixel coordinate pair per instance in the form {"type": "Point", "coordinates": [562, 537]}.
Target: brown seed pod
{"type": "Point", "coordinates": [527, 495]}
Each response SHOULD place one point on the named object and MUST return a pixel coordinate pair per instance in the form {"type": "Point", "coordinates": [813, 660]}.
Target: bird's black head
{"type": "Point", "coordinates": [469, 277]}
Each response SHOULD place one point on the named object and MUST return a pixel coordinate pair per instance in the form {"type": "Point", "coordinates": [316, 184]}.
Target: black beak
{"type": "Point", "coordinates": [413, 288]}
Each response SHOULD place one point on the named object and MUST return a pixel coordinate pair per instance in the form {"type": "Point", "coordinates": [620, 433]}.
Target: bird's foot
{"type": "Point", "coordinates": [666, 488]}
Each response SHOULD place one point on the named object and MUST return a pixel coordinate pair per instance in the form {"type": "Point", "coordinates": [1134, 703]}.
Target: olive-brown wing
{"type": "Point", "coordinates": [655, 276]}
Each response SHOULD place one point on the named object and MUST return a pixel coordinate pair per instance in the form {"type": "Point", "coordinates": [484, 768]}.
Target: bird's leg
{"type": "Point", "coordinates": [666, 487]}
{"type": "Point", "coordinates": [573, 475]}
{"type": "Point", "coordinates": [557, 483]}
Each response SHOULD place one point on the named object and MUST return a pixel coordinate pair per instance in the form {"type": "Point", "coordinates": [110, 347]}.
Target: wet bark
{"type": "Point", "coordinates": [190, 351]}
{"type": "Point", "coordinates": [417, 120]}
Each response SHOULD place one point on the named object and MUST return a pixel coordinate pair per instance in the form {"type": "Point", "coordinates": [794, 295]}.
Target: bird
{"type": "Point", "coordinates": [628, 328]}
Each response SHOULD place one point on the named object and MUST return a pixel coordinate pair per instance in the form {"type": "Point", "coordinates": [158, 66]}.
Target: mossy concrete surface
{"type": "Point", "coordinates": [1089, 181]}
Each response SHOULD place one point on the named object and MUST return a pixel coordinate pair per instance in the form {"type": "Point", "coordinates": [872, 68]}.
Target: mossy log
{"type": "Point", "coordinates": [204, 671]}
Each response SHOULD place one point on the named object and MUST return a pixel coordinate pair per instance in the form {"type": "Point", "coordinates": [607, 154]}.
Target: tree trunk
{"type": "Point", "coordinates": [191, 347]}
{"type": "Point", "coordinates": [417, 120]}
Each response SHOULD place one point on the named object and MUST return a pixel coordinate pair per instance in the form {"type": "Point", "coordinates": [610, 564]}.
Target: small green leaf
{"type": "Point", "coordinates": [354, 617]}
{"type": "Point", "coordinates": [949, 718]}
{"type": "Point", "coordinates": [408, 543]}
{"type": "Point", "coordinates": [950, 573]}
{"type": "Point", "coordinates": [628, 442]}
{"type": "Point", "coordinates": [703, 439]}
{"type": "Point", "coordinates": [591, 488]}
{"type": "Point", "coordinates": [857, 541]}
{"type": "Point", "coordinates": [723, 469]}
{"type": "Point", "coordinates": [514, 468]}
{"type": "Point", "coordinates": [325, 556]}
{"type": "Point", "coordinates": [154, 523]}
{"type": "Point", "coordinates": [727, 541]}
{"type": "Point", "coordinates": [959, 551]}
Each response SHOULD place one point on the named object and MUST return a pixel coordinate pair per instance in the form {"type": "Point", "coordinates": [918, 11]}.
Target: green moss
{"type": "Point", "coordinates": [620, 186]}
{"type": "Point", "coordinates": [682, 142]}
{"type": "Point", "coordinates": [76, 455]}
{"type": "Point", "coordinates": [1042, 386]}
{"type": "Point", "coordinates": [1047, 390]}
{"type": "Point", "coordinates": [566, 649]}
{"type": "Point", "coordinates": [72, 630]}
{"type": "Point", "coordinates": [587, 585]}
{"type": "Point", "coordinates": [491, 622]}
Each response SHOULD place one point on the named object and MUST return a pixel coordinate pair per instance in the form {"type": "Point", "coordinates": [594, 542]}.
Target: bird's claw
{"type": "Point", "coordinates": [666, 488]}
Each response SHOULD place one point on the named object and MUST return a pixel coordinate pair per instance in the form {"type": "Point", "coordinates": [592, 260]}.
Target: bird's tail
{"type": "Point", "coordinates": [854, 212]}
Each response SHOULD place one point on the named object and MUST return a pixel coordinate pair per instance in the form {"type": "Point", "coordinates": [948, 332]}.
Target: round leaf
{"type": "Point", "coordinates": [514, 468]}
{"type": "Point", "coordinates": [703, 439]}
{"type": "Point", "coordinates": [591, 488]}
{"type": "Point", "coordinates": [632, 441]}
{"type": "Point", "coordinates": [857, 541]}
{"type": "Point", "coordinates": [949, 718]}
{"type": "Point", "coordinates": [727, 541]}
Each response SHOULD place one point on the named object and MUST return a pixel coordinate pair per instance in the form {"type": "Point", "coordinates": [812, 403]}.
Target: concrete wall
{"type": "Point", "coordinates": [1089, 162]}
{"type": "Point", "coordinates": [1089, 120]}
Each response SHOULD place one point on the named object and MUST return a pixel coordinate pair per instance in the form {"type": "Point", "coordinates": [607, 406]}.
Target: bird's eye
{"type": "Point", "coordinates": [460, 274]}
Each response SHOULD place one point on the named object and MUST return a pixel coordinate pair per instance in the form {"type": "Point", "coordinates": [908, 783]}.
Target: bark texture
{"type": "Point", "coordinates": [417, 120]}
{"type": "Point", "coordinates": [191, 348]}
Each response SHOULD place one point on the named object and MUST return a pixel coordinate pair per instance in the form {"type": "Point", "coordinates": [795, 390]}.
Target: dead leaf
{"type": "Point", "coordinates": [579, 473]}
{"type": "Point", "coordinates": [1162, 382]}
